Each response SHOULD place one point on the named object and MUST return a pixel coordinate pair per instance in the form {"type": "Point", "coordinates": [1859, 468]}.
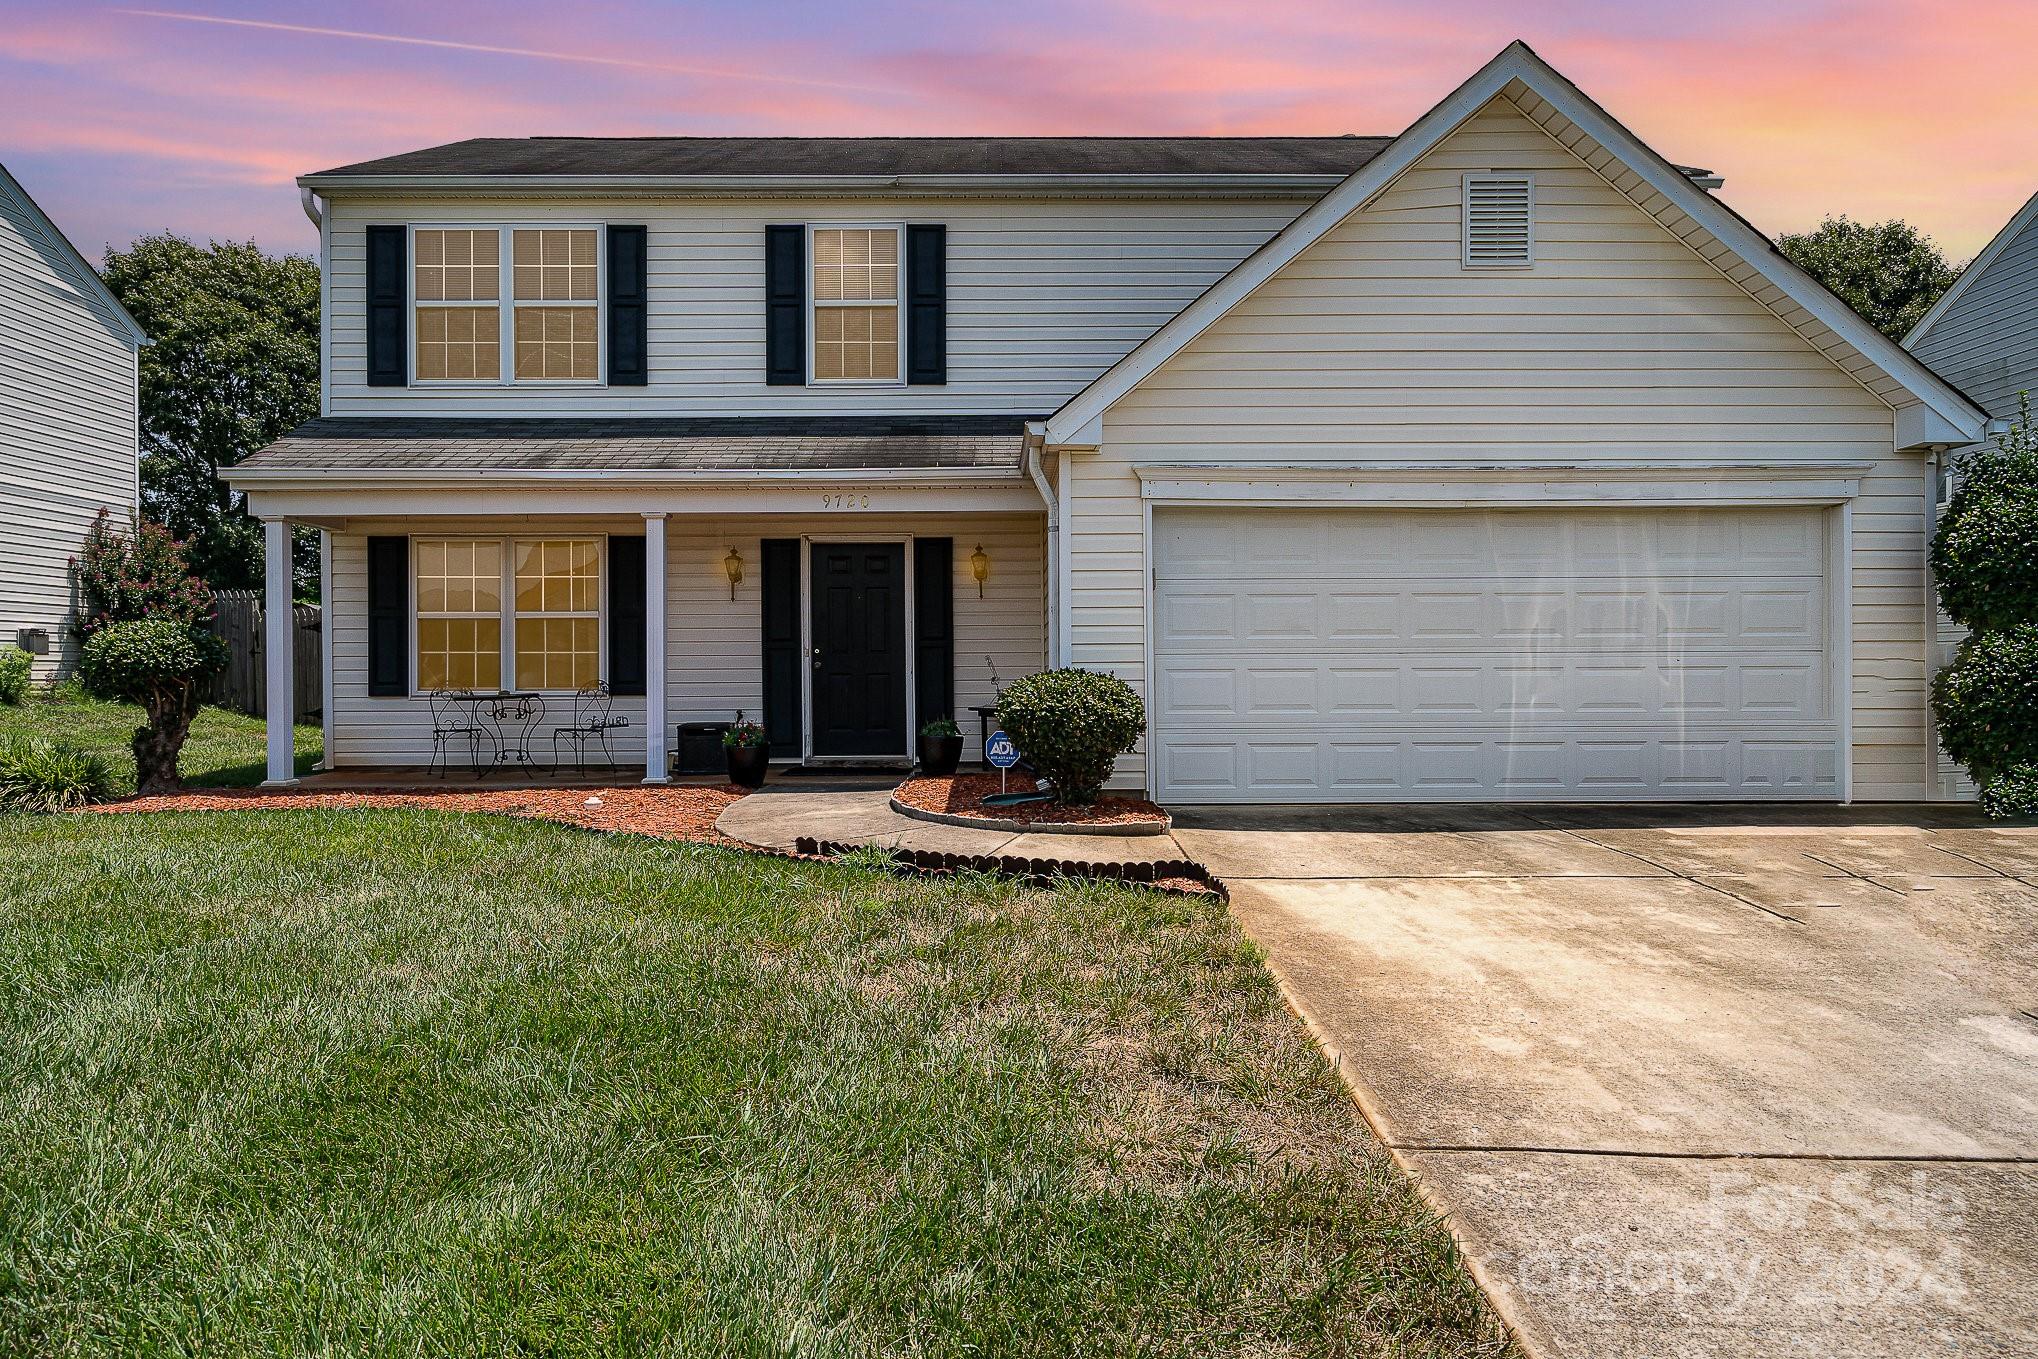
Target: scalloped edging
{"type": "Point", "coordinates": [1120, 829]}
{"type": "Point", "coordinates": [1041, 872]}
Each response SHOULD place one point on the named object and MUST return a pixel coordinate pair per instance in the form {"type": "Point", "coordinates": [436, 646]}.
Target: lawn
{"type": "Point", "coordinates": [401, 1083]}
{"type": "Point", "coordinates": [225, 748]}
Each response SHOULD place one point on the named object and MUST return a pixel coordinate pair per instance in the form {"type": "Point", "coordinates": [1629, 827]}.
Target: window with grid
{"type": "Point", "coordinates": [558, 613]}
{"type": "Point", "coordinates": [554, 282]}
{"type": "Point", "coordinates": [856, 304]}
{"type": "Point", "coordinates": [457, 279]}
{"type": "Point", "coordinates": [459, 614]}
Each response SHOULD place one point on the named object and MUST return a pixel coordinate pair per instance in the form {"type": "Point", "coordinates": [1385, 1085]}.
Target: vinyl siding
{"type": "Point", "coordinates": [1043, 295]}
{"type": "Point", "coordinates": [1986, 343]}
{"type": "Point", "coordinates": [67, 425]}
{"type": "Point", "coordinates": [713, 643]}
{"type": "Point", "coordinates": [1621, 344]}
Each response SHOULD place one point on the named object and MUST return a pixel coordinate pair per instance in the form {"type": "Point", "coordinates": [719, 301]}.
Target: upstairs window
{"type": "Point", "coordinates": [856, 304]}
{"type": "Point", "coordinates": [554, 331]}
{"type": "Point", "coordinates": [459, 315]}
{"type": "Point", "coordinates": [1499, 221]}
{"type": "Point", "coordinates": [557, 309]}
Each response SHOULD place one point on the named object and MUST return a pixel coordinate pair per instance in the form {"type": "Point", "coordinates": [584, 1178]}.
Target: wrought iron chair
{"type": "Point", "coordinates": [454, 718]}
{"type": "Point", "coordinates": [592, 721]}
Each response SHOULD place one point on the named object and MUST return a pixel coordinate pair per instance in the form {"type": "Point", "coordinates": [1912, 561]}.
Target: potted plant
{"type": "Point", "coordinates": [749, 753]}
{"type": "Point", "coordinates": [940, 746]}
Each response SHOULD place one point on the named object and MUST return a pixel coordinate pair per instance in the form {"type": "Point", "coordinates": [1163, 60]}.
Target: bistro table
{"type": "Point", "coordinates": [510, 718]}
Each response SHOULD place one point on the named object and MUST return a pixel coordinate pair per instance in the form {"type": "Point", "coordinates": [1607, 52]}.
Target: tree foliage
{"type": "Point", "coordinates": [1890, 272]}
{"type": "Point", "coordinates": [143, 572]}
{"type": "Point", "coordinates": [233, 364]}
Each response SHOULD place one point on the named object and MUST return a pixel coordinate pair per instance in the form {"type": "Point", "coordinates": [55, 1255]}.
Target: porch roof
{"type": "Point", "coordinates": [984, 445]}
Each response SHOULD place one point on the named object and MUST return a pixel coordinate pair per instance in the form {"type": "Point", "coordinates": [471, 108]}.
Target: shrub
{"type": "Point", "coordinates": [1072, 725]}
{"type": "Point", "coordinates": [2014, 792]}
{"type": "Point", "coordinates": [38, 774]}
{"type": "Point", "coordinates": [1987, 702]}
{"type": "Point", "coordinates": [158, 663]}
{"type": "Point", "coordinates": [127, 576]}
{"type": "Point", "coordinates": [14, 668]}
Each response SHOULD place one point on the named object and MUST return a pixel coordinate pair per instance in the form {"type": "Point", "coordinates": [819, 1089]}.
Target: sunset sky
{"type": "Point", "coordinates": [196, 117]}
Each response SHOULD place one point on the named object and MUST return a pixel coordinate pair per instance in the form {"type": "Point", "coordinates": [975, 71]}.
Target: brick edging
{"type": "Point", "coordinates": [1041, 872]}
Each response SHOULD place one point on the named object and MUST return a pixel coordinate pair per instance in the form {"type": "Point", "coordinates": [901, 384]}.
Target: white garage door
{"type": "Point", "coordinates": [1435, 655]}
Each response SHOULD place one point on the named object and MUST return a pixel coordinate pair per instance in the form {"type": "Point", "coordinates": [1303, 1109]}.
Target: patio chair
{"type": "Point", "coordinates": [454, 718]}
{"type": "Point", "coordinates": [592, 721]}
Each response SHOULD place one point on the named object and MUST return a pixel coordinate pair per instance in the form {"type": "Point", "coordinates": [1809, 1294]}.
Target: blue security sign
{"type": "Point", "coordinates": [1000, 751]}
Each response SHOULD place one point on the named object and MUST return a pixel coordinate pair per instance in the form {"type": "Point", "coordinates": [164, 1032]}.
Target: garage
{"type": "Point", "coordinates": [1567, 654]}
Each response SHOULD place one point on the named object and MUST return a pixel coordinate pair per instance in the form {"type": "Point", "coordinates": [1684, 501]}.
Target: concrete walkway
{"type": "Point", "coordinates": [1706, 1083]}
{"type": "Point", "coordinates": [778, 814]}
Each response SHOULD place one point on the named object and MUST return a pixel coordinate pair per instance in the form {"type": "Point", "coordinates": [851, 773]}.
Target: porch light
{"type": "Point", "coordinates": [732, 567]}
{"type": "Point", "coordinates": [980, 568]}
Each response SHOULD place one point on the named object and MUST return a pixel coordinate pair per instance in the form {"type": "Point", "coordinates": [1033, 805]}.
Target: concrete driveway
{"type": "Point", "coordinates": [1705, 1082]}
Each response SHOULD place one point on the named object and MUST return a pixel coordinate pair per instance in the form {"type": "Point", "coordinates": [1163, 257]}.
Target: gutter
{"type": "Point", "coordinates": [1035, 437]}
{"type": "Point", "coordinates": [1310, 185]}
{"type": "Point", "coordinates": [369, 478]}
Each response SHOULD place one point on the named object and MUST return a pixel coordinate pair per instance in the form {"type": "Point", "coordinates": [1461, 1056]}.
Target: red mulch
{"type": "Point", "coordinates": [964, 794]}
{"type": "Point", "coordinates": [668, 813]}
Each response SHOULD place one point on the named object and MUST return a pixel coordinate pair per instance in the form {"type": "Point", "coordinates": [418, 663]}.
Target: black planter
{"type": "Point", "coordinates": [747, 765]}
{"type": "Point", "coordinates": [940, 754]}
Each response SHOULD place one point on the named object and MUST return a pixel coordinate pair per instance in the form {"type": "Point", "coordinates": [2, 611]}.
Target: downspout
{"type": "Point", "coordinates": [309, 202]}
{"type": "Point", "coordinates": [1053, 572]}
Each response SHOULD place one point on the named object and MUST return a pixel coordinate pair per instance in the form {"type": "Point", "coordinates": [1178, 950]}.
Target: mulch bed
{"type": "Point", "coordinates": [964, 794]}
{"type": "Point", "coordinates": [668, 813]}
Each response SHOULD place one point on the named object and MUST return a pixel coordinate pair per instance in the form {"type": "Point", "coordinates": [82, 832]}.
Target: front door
{"type": "Point", "coordinates": [859, 631]}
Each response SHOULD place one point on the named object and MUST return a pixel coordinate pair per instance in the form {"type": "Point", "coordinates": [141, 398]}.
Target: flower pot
{"type": "Point", "coordinates": [747, 765]}
{"type": "Point", "coordinates": [940, 754]}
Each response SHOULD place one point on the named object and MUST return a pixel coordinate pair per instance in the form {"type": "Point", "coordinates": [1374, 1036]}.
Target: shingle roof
{"type": "Point", "coordinates": [951, 443]}
{"type": "Point", "coordinates": [877, 156]}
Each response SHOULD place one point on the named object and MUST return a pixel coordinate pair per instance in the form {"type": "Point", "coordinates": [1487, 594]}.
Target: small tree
{"type": "Point", "coordinates": [160, 664]}
{"type": "Point", "coordinates": [1985, 556]}
{"type": "Point", "coordinates": [1072, 725]}
{"type": "Point", "coordinates": [1890, 272]}
{"type": "Point", "coordinates": [139, 573]}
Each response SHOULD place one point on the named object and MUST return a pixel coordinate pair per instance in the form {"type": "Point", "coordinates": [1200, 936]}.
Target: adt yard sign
{"type": "Point", "coordinates": [1000, 751]}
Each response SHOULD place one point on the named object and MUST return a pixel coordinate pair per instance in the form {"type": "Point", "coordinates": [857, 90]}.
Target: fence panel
{"type": "Point", "coordinates": [242, 685]}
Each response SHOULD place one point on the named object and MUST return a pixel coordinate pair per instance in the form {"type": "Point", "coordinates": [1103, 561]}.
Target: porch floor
{"type": "Point", "coordinates": [413, 779]}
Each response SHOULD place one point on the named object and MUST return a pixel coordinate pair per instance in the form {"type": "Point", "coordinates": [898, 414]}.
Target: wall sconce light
{"type": "Point", "coordinates": [980, 568]}
{"type": "Point", "coordinates": [732, 567]}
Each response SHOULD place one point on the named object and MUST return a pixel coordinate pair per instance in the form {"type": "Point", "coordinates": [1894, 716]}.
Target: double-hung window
{"type": "Point", "coordinates": [553, 295]}
{"type": "Point", "coordinates": [856, 325]}
{"type": "Point", "coordinates": [526, 608]}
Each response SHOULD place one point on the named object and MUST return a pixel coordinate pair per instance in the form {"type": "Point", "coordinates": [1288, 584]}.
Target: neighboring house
{"type": "Point", "coordinates": [69, 432]}
{"type": "Point", "coordinates": [1982, 335]}
{"type": "Point", "coordinates": [1494, 460]}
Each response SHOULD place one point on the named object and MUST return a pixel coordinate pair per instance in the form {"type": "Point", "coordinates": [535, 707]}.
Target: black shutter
{"type": "Point", "coordinates": [933, 628]}
{"type": "Point", "coordinates": [387, 366]}
{"type": "Point", "coordinates": [927, 305]}
{"type": "Point", "coordinates": [626, 615]}
{"type": "Point", "coordinates": [785, 306]}
{"type": "Point", "coordinates": [781, 585]}
{"type": "Point", "coordinates": [629, 309]}
{"type": "Point", "coordinates": [388, 617]}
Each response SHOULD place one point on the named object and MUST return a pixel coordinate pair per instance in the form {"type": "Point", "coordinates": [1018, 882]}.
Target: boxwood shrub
{"type": "Point", "coordinates": [14, 667]}
{"type": "Point", "coordinates": [1071, 726]}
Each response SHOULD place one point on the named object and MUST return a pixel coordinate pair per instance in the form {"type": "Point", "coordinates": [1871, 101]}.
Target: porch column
{"type": "Point", "coordinates": [278, 646]}
{"type": "Point", "coordinates": [655, 763]}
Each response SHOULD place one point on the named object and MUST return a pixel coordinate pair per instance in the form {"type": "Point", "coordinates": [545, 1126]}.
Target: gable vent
{"type": "Point", "coordinates": [1499, 221]}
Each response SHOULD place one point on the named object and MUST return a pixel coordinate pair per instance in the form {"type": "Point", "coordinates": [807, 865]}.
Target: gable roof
{"type": "Point", "coordinates": [64, 257]}
{"type": "Point", "coordinates": [1945, 416]}
{"type": "Point", "coordinates": [2022, 218]}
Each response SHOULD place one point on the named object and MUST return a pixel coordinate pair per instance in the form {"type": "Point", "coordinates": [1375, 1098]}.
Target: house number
{"type": "Point", "coordinates": [845, 502]}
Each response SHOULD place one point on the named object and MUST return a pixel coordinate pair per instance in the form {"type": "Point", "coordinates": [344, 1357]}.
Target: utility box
{"type": "Point", "coordinates": [35, 641]}
{"type": "Point", "coordinates": [700, 748]}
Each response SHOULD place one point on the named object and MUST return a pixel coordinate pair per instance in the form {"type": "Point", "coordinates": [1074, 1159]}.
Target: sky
{"type": "Point", "coordinates": [196, 115]}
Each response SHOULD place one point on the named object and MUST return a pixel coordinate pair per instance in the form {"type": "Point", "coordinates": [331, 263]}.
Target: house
{"type": "Point", "coordinates": [69, 431]}
{"type": "Point", "coordinates": [1496, 460]}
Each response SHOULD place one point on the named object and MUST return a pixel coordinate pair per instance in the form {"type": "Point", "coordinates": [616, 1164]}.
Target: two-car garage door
{"type": "Point", "coordinates": [1430, 655]}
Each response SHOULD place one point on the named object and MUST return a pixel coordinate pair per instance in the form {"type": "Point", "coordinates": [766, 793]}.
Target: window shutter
{"type": "Point", "coordinates": [626, 614]}
{"type": "Point", "coordinates": [629, 308]}
{"type": "Point", "coordinates": [785, 306]}
{"type": "Point", "coordinates": [927, 305]}
{"type": "Point", "coordinates": [388, 617]}
{"type": "Point", "coordinates": [781, 589]}
{"type": "Point", "coordinates": [387, 362]}
{"type": "Point", "coordinates": [933, 628]}
{"type": "Point", "coordinates": [1499, 221]}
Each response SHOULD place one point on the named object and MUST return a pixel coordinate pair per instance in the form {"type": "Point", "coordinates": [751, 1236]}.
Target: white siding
{"type": "Point", "coordinates": [1621, 344]}
{"type": "Point", "coordinates": [67, 423]}
{"type": "Point", "coordinates": [1986, 343]}
{"type": "Point", "coordinates": [1043, 295]}
{"type": "Point", "coordinates": [713, 643]}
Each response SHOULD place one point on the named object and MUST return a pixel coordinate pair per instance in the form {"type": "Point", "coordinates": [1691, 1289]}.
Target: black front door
{"type": "Point", "coordinates": [859, 601]}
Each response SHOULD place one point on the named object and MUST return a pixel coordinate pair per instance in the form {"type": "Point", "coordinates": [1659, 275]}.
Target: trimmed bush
{"type": "Point", "coordinates": [158, 663]}
{"type": "Point", "coordinates": [2014, 792]}
{"type": "Point", "coordinates": [38, 774]}
{"type": "Point", "coordinates": [1985, 555]}
{"type": "Point", "coordinates": [14, 668]}
{"type": "Point", "coordinates": [1072, 725]}
{"type": "Point", "coordinates": [1987, 701]}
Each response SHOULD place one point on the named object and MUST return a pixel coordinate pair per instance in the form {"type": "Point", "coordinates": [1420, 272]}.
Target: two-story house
{"type": "Point", "coordinates": [1499, 459]}
{"type": "Point", "coordinates": [70, 437]}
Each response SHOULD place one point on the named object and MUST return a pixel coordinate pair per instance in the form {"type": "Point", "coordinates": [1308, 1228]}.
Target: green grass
{"type": "Point", "coordinates": [407, 1083]}
{"type": "Point", "coordinates": [225, 749]}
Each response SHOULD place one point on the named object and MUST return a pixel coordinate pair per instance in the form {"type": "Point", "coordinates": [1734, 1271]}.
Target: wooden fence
{"type": "Point", "coordinates": [242, 685]}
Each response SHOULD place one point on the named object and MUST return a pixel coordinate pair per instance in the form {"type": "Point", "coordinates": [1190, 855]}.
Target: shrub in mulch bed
{"type": "Point", "coordinates": [964, 794]}
{"type": "Point", "coordinates": [1184, 876]}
